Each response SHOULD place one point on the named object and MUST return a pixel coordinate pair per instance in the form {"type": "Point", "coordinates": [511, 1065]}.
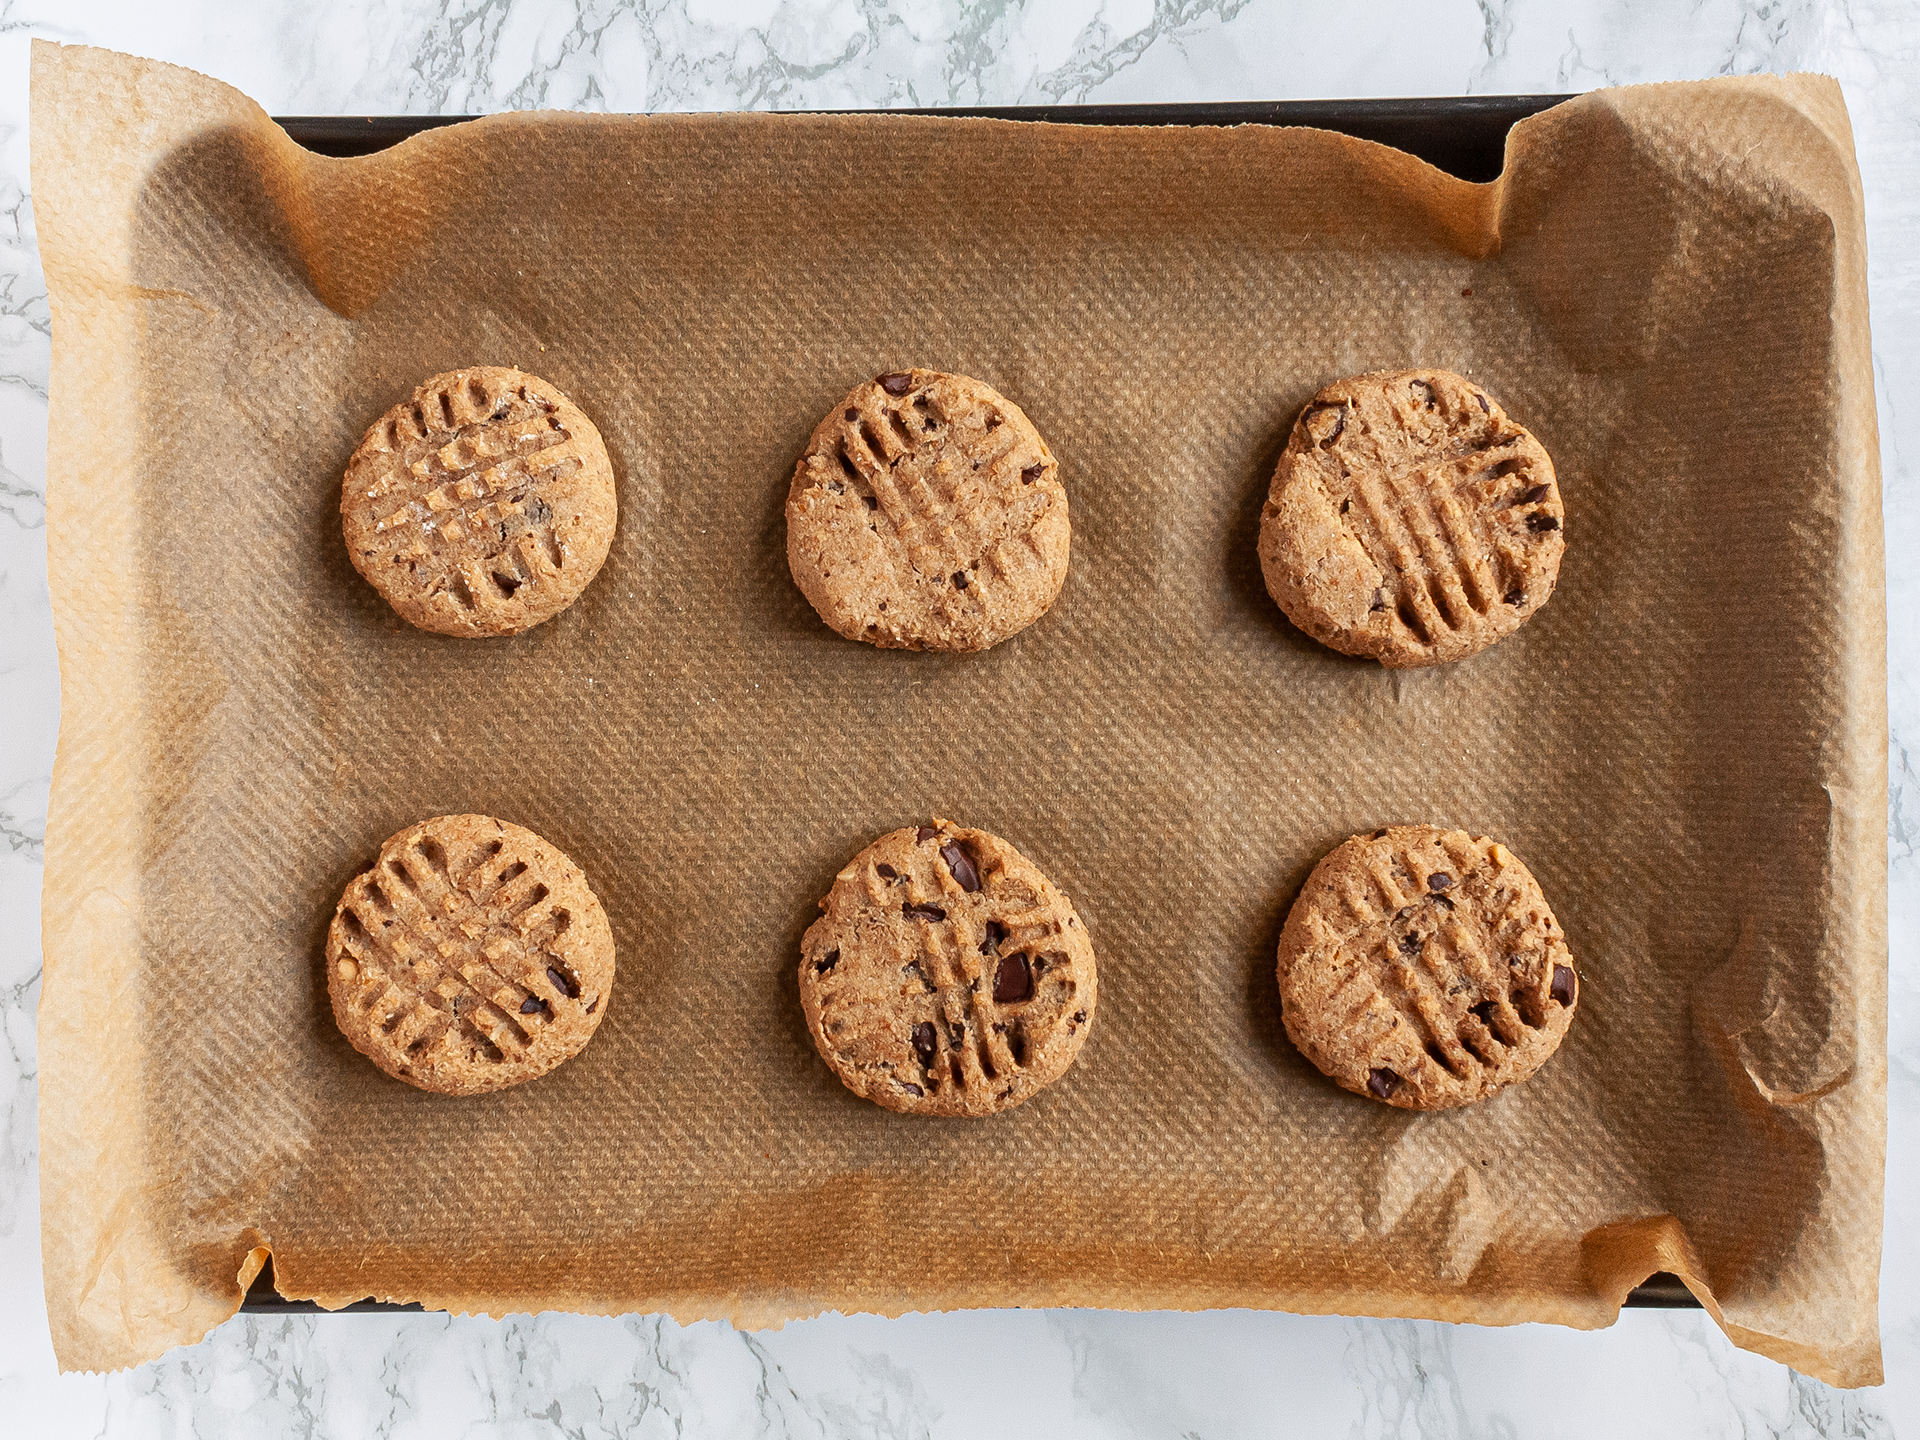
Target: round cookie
{"type": "Point", "coordinates": [482, 506]}
{"type": "Point", "coordinates": [927, 514]}
{"type": "Point", "coordinates": [948, 976]}
{"type": "Point", "coordinates": [469, 956]}
{"type": "Point", "coordinates": [1410, 520]}
{"type": "Point", "coordinates": [1422, 967]}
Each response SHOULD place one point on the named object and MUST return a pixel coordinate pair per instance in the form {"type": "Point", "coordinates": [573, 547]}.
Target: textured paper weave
{"type": "Point", "coordinates": [1686, 745]}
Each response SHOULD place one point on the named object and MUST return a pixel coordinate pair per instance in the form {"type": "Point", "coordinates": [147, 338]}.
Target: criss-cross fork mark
{"type": "Point", "coordinates": [1000, 1043]}
{"type": "Point", "coordinates": [964, 1038]}
{"type": "Point", "coordinates": [441, 948]}
{"type": "Point", "coordinates": [1446, 561]}
{"type": "Point", "coordinates": [462, 488]}
{"type": "Point", "coordinates": [1422, 944]}
{"type": "Point", "coordinates": [951, 519]}
{"type": "Point", "coordinates": [1447, 529]}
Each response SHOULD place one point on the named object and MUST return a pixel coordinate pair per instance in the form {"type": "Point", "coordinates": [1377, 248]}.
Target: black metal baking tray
{"type": "Point", "coordinates": [1465, 136]}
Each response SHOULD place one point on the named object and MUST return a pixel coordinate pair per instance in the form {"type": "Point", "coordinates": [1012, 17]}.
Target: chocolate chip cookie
{"type": "Point", "coordinates": [1422, 967]}
{"type": "Point", "coordinates": [948, 975]}
{"type": "Point", "coordinates": [927, 514]}
{"type": "Point", "coordinates": [482, 506]}
{"type": "Point", "coordinates": [469, 956]}
{"type": "Point", "coordinates": [1411, 520]}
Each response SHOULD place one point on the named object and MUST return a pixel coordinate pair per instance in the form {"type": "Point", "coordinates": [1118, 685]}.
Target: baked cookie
{"type": "Point", "coordinates": [481, 506]}
{"type": "Point", "coordinates": [948, 976]}
{"type": "Point", "coordinates": [927, 514]}
{"type": "Point", "coordinates": [1422, 967]}
{"type": "Point", "coordinates": [470, 956]}
{"type": "Point", "coordinates": [1410, 520]}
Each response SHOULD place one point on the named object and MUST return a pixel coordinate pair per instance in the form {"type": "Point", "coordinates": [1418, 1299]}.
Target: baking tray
{"type": "Point", "coordinates": [1463, 135]}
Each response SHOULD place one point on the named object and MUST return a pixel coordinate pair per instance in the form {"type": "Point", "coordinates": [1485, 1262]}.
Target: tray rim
{"type": "Point", "coordinates": [1467, 130]}
{"type": "Point", "coordinates": [1659, 1291]}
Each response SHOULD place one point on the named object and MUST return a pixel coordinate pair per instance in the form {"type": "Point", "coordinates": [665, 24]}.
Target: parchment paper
{"type": "Point", "coordinates": [1687, 745]}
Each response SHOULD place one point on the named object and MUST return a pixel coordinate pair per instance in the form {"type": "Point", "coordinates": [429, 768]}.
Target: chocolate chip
{"type": "Point", "coordinates": [898, 383]}
{"type": "Point", "coordinates": [532, 1005]}
{"type": "Point", "coordinates": [923, 912]}
{"type": "Point", "coordinates": [1541, 524]}
{"type": "Point", "coordinates": [1532, 495]}
{"type": "Point", "coordinates": [1379, 599]}
{"type": "Point", "coordinates": [1382, 1082]}
{"type": "Point", "coordinates": [965, 875]}
{"type": "Point", "coordinates": [1013, 981]}
{"type": "Point", "coordinates": [1410, 944]}
{"type": "Point", "coordinates": [853, 414]}
{"type": "Point", "coordinates": [960, 579]}
{"type": "Point", "coordinates": [886, 872]}
{"type": "Point", "coordinates": [1516, 597]}
{"type": "Point", "coordinates": [1338, 425]}
{"type": "Point", "coordinates": [927, 832]}
{"type": "Point", "coordinates": [995, 937]}
{"type": "Point", "coordinates": [923, 1041]}
{"type": "Point", "coordinates": [911, 1088]}
{"type": "Point", "coordinates": [1439, 880]}
{"type": "Point", "coordinates": [1479, 398]}
{"type": "Point", "coordinates": [826, 962]}
{"type": "Point", "coordinates": [1484, 1010]}
{"type": "Point", "coordinates": [565, 986]}
{"type": "Point", "coordinates": [1562, 987]}
{"type": "Point", "coordinates": [1032, 473]}
{"type": "Point", "coordinates": [1079, 1017]}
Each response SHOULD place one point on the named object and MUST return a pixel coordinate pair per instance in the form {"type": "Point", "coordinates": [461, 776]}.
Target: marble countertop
{"type": "Point", "coordinates": [1055, 1373]}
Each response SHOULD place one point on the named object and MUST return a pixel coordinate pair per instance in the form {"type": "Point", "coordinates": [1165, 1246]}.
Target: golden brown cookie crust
{"type": "Point", "coordinates": [928, 514]}
{"type": "Point", "coordinates": [948, 976]}
{"type": "Point", "coordinates": [470, 956]}
{"type": "Point", "coordinates": [1422, 967]}
{"type": "Point", "coordinates": [1411, 520]}
{"type": "Point", "coordinates": [482, 506]}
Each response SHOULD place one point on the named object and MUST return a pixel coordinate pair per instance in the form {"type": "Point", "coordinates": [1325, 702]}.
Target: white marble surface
{"type": "Point", "coordinates": [996, 1373]}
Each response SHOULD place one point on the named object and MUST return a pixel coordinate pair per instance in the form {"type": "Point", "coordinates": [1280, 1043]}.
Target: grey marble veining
{"type": "Point", "coordinates": [1060, 1373]}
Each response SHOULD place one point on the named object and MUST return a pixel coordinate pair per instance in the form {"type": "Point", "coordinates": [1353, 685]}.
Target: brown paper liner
{"type": "Point", "coordinates": [1686, 745]}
